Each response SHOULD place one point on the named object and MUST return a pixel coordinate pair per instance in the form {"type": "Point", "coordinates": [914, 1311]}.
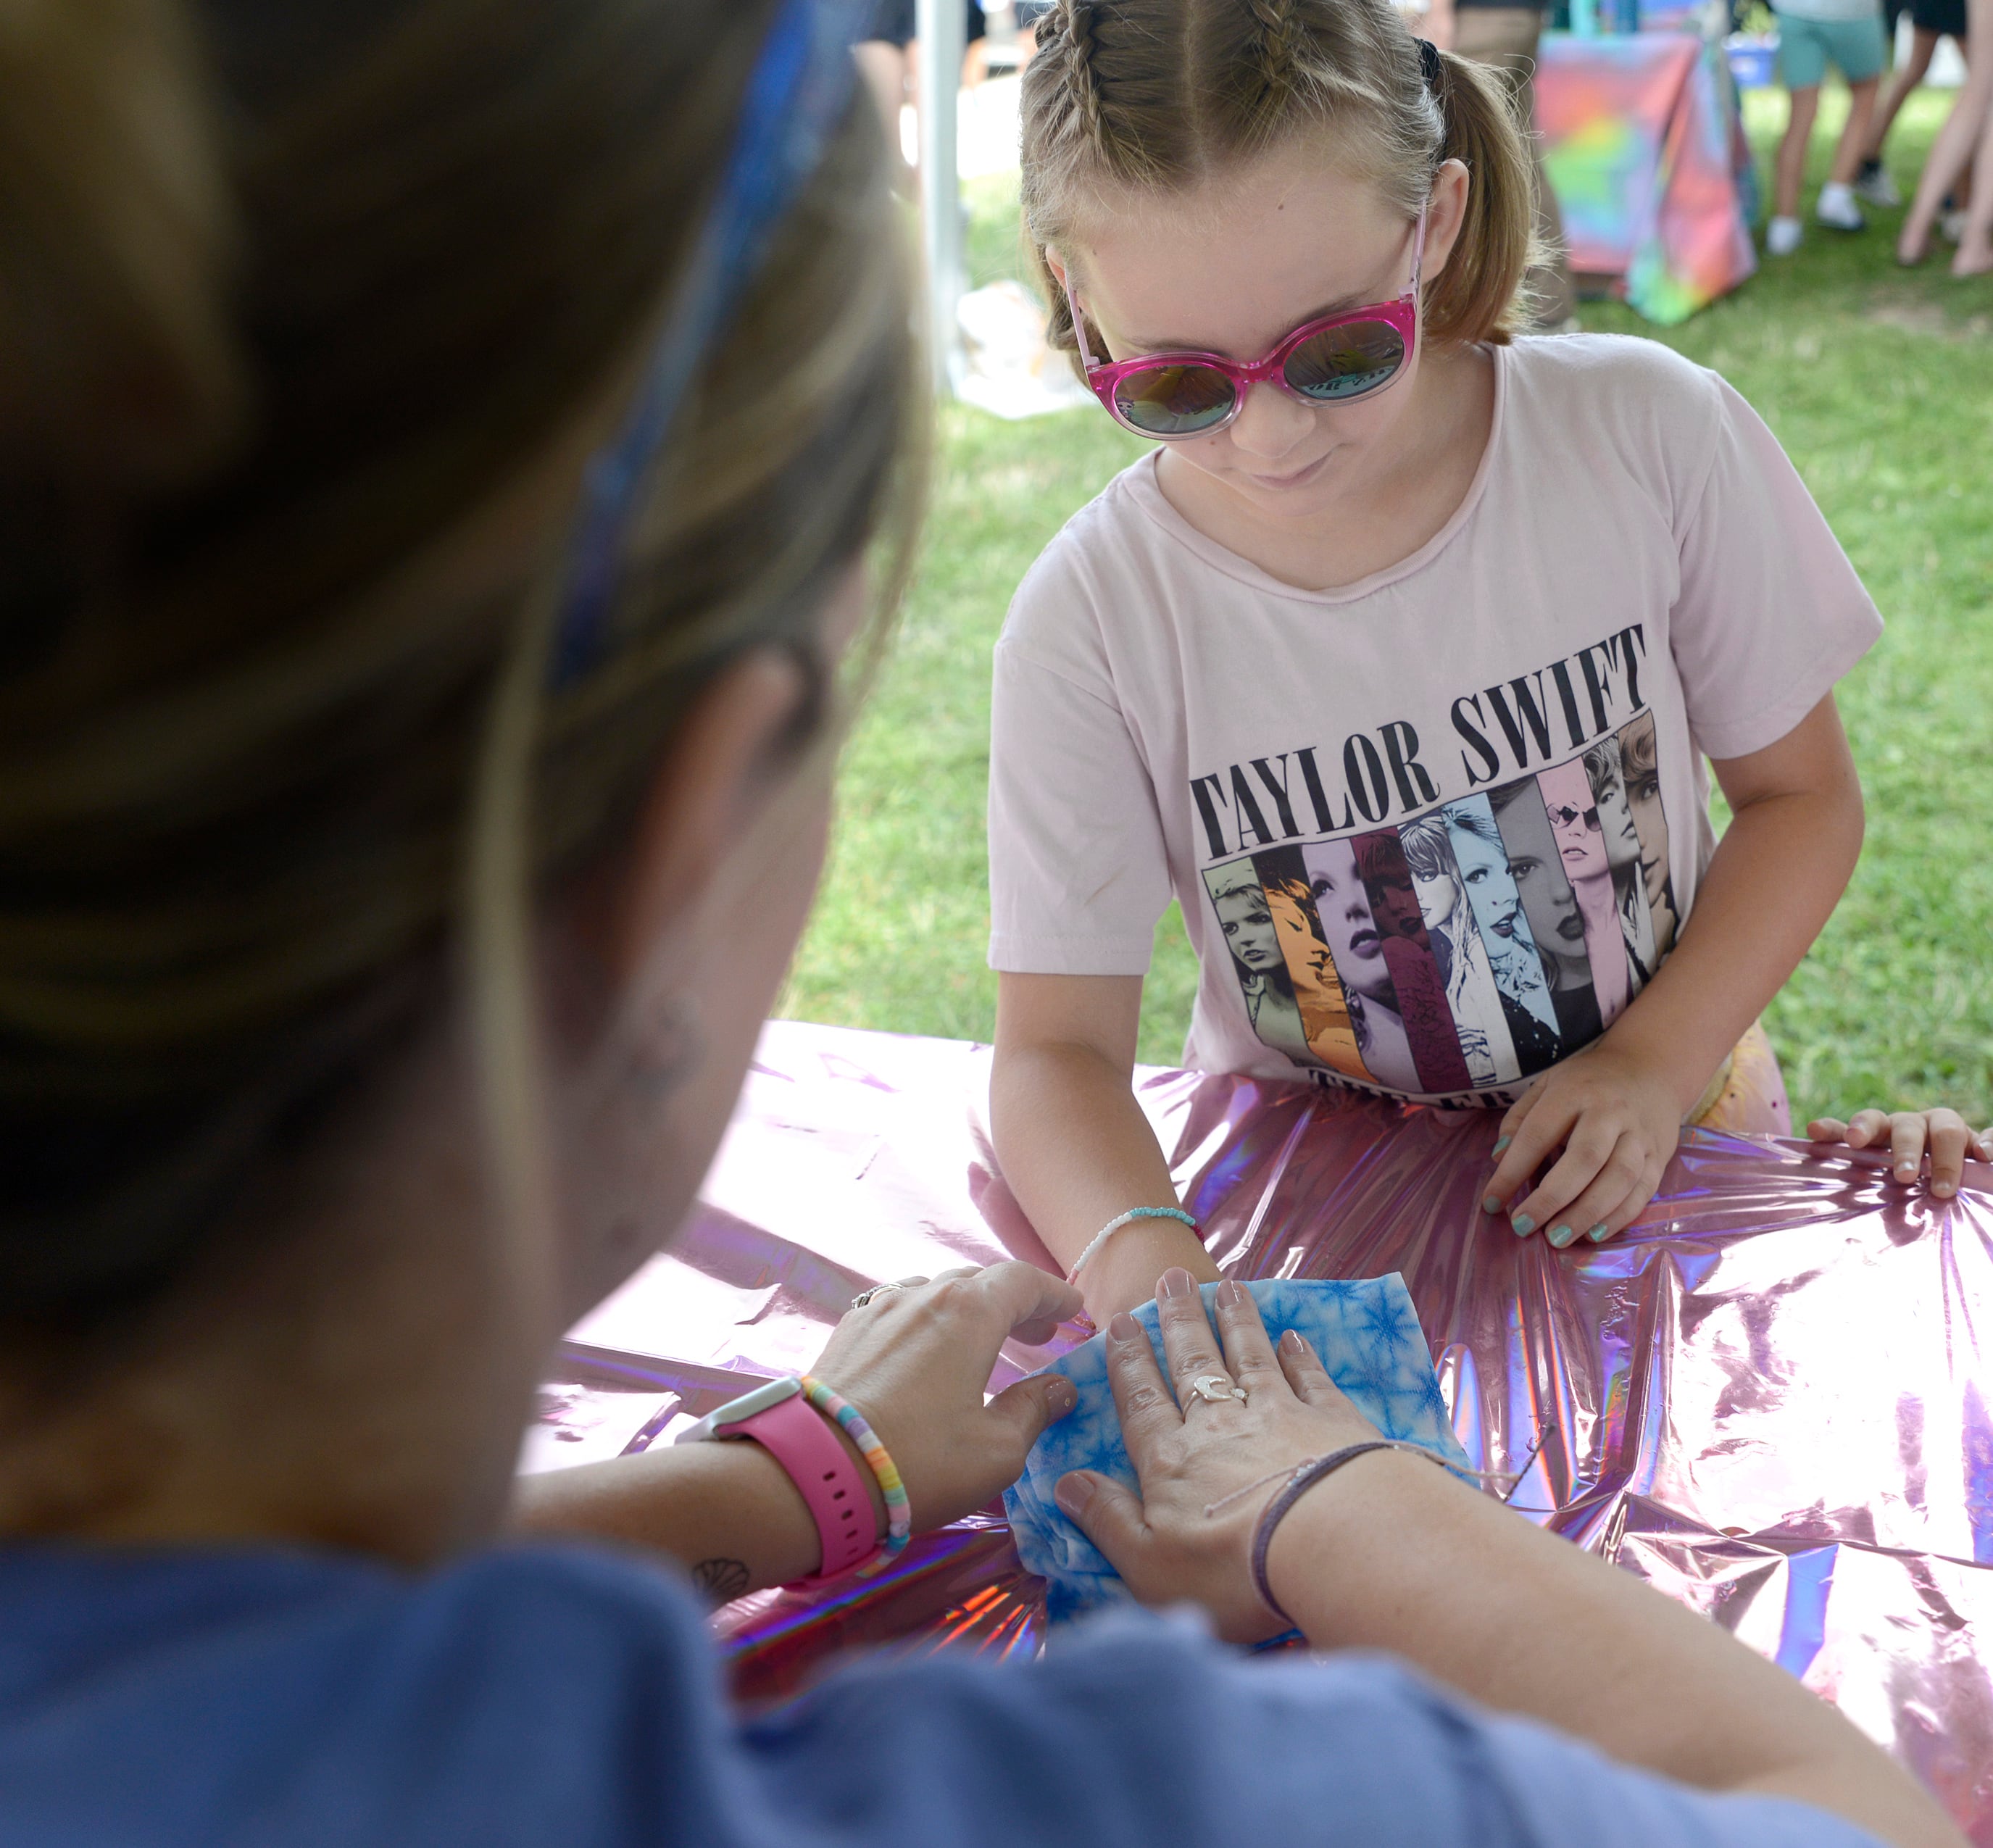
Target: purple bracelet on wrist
{"type": "Point", "coordinates": [1304, 1479]}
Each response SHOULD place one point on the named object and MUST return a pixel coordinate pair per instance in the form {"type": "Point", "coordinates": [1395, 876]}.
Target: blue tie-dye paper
{"type": "Point", "coordinates": [1368, 1335]}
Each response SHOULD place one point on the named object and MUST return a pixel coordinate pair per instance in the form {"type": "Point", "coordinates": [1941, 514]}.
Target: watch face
{"type": "Point", "coordinates": [738, 1411]}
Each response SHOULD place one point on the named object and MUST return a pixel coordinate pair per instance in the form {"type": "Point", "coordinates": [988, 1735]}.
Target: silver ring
{"type": "Point", "coordinates": [878, 1289]}
{"type": "Point", "coordinates": [1215, 1389]}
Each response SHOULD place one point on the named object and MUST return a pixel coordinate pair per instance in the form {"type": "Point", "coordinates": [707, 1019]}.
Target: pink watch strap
{"type": "Point", "coordinates": [804, 1442]}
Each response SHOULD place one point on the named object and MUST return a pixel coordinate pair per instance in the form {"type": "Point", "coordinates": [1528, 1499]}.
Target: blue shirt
{"type": "Point", "coordinates": [571, 1699]}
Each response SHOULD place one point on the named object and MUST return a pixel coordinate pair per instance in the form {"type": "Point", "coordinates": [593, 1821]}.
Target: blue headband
{"type": "Point", "coordinates": [796, 94]}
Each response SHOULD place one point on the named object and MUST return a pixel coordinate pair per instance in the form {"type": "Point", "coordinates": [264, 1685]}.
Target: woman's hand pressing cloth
{"type": "Point", "coordinates": [915, 1359]}
{"type": "Point", "coordinates": [1195, 1454]}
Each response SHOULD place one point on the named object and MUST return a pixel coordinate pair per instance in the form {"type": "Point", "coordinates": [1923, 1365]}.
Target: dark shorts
{"type": "Point", "coordinates": [892, 22]}
{"type": "Point", "coordinates": [1946, 18]}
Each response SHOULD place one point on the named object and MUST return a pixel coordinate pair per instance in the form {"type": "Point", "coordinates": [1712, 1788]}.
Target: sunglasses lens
{"type": "Point", "coordinates": [1175, 401]}
{"type": "Point", "coordinates": [1346, 361]}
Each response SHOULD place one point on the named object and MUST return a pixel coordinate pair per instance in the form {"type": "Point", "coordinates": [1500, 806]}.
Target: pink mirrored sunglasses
{"type": "Point", "coordinates": [1333, 360]}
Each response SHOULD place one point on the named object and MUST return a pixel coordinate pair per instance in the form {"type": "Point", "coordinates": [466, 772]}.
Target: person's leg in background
{"type": "Point", "coordinates": [884, 67]}
{"type": "Point", "coordinates": [1957, 142]}
{"type": "Point", "coordinates": [1505, 38]}
{"type": "Point", "coordinates": [1836, 207]}
{"type": "Point", "coordinates": [889, 57]}
{"type": "Point", "coordinates": [1975, 255]}
{"type": "Point", "coordinates": [1857, 46]}
{"type": "Point", "coordinates": [1958, 202]}
{"type": "Point", "coordinates": [884, 50]}
{"type": "Point", "coordinates": [1893, 12]}
{"type": "Point", "coordinates": [975, 46]}
{"type": "Point", "coordinates": [1872, 180]}
{"type": "Point", "coordinates": [1858, 49]}
{"type": "Point", "coordinates": [1802, 65]}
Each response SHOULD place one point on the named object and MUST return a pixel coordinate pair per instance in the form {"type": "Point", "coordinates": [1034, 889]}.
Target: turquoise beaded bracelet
{"type": "Point", "coordinates": [1116, 1224]}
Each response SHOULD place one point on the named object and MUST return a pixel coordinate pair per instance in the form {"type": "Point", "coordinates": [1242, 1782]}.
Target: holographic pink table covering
{"type": "Point", "coordinates": [1769, 1399]}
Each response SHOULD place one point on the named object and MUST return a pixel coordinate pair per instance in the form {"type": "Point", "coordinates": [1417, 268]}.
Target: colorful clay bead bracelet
{"type": "Point", "coordinates": [899, 1514]}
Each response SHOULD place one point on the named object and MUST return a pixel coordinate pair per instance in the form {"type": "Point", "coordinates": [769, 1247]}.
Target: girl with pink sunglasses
{"type": "Point", "coordinates": [1388, 565]}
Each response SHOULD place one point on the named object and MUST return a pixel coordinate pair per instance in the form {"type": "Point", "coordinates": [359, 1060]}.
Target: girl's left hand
{"type": "Point", "coordinates": [1617, 1120]}
{"type": "Point", "coordinates": [1951, 1140]}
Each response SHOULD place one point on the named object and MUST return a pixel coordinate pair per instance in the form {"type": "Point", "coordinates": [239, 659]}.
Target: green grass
{"type": "Point", "coordinates": [1878, 382]}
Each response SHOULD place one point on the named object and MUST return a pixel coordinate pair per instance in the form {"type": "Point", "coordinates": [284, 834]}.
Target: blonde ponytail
{"type": "Point", "coordinates": [119, 360]}
{"type": "Point", "coordinates": [1475, 297]}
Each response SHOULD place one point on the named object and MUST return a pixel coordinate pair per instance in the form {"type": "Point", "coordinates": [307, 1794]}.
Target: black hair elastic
{"type": "Point", "coordinates": [1304, 1479]}
{"type": "Point", "coordinates": [1428, 62]}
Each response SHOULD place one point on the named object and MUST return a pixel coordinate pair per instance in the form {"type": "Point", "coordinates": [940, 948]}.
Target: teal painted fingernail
{"type": "Point", "coordinates": [1524, 1225]}
{"type": "Point", "coordinates": [1597, 1235]}
{"type": "Point", "coordinates": [1559, 1236]}
{"type": "Point", "coordinates": [1491, 1204]}
{"type": "Point", "coordinates": [1503, 1144]}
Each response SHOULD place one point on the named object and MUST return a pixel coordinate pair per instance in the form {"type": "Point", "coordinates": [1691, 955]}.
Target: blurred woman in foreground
{"type": "Point", "coordinates": [404, 823]}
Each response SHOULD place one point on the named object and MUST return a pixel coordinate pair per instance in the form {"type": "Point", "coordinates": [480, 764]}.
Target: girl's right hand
{"type": "Point", "coordinates": [1162, 1541]}
{"type": "Point", "coordinates": [1951, 1140]}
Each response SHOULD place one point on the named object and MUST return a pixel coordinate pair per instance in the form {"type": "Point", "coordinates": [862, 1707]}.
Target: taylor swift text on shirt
{"type": "Point", "coordinates": [1448, 925]}
{"type": "Point", "coordinates": [1526, 720]}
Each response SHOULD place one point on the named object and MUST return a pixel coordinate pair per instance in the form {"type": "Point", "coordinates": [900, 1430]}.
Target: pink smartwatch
{"type": "Point", "coordinates": [779, 1419]}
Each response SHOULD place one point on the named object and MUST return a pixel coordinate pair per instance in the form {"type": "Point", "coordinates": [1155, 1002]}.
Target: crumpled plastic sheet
{"type": "Point", "coordinates": [1768, 1399]}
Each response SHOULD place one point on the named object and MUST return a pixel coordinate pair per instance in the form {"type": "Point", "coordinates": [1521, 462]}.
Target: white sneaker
{"type": "Point", "coordinates": [1874, 185]}
{"type": "Point", "coordinates": [1951, 225]}
{"type": "Point", "coordinates": [1782, 237]}
{"type": "Point", "coordinates": [1837, 208]}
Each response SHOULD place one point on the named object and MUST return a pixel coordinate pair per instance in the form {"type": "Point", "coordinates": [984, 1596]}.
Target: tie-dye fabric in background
{"type": "Point", "coordinates": [1367, 1333]}
{"type": "Point", "coordinates": [1645, 146]}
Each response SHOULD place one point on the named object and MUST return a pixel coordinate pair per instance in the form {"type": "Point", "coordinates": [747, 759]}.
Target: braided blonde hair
{"type": "Point", "coordinates": [1279, 47]}
{"type": "Point", "coordinates": [1075, 41]}
{"type": "Point", "coordinates": [1158, 95]}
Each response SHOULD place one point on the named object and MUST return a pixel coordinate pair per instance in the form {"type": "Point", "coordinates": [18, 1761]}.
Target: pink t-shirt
{"type": "Point", "coordinates": [1433, 831]}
